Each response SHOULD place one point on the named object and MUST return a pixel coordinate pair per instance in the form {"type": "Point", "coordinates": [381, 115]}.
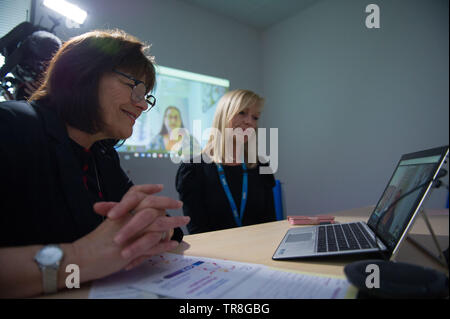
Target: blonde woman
{"type": "Point", "coordinates": [225, 189]}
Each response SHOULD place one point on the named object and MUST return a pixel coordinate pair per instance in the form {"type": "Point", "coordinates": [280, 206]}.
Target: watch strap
{"type": "Point", "coordinates": [50, 279]}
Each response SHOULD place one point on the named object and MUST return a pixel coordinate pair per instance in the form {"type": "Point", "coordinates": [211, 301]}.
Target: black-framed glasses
{"type": "Point", "coordinates": [138, 91]}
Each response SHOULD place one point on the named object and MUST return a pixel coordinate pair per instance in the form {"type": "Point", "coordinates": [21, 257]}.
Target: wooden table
{"type": "Point", "coordinates": [257, 243]}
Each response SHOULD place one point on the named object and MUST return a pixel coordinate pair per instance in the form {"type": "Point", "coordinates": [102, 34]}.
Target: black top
{"type": "Point", "coordinates": [205, 201]}
{"type": "Point", "coordinates": [90, 175]}
{"type": "Point", "coordinates": [44, 198]}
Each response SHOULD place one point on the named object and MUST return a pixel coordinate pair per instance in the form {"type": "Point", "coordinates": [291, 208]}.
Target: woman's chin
{"type": "Point", "coordinates": [124, 134]}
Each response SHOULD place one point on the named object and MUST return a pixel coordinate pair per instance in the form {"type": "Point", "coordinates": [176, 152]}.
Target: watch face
{"type": "Point", "coordinates": [49, 255]}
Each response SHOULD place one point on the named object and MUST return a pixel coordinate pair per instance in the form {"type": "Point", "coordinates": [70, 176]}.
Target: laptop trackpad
{"type": "Point", "coordinates": [294, 238]}
{"type": "Point", "coordinates": [297, 242]}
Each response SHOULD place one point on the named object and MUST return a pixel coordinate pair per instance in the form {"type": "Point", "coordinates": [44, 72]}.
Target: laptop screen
{"type": "Point", "coordinates": [393, 212]}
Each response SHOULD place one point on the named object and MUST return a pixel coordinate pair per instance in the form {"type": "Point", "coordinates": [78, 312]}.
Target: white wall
{"type": "Point", "coordinates": [349, 101]}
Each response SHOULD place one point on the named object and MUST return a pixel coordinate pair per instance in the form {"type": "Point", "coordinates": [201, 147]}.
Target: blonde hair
{"type": "Point", "coordinates": [228, 106]}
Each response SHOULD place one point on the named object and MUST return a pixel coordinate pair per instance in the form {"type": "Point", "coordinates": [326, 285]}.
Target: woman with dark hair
{"type": "Point", "coordinates": [173, 137]}
{"type": "Point", "coordinates": [66, 198]}
{"type": "Point", "coordinates": [171, 121]}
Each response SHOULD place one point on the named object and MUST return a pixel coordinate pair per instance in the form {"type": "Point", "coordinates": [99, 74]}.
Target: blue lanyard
{"type": "Point", "coordinates": [237, 218]}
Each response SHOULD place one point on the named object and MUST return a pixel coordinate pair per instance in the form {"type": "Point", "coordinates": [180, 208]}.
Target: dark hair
{"type": "Point", "coordinates": [163, 126]}
{"type": "Point", "coordinates": [72, 79]}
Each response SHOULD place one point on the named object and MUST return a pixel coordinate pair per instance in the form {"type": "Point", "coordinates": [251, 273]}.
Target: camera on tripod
{"type": "Point", "coordinates": [27, 50]}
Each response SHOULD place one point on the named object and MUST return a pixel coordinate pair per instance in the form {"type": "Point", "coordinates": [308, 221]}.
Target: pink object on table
{"type": "Point", "coordinates": [310, 220]}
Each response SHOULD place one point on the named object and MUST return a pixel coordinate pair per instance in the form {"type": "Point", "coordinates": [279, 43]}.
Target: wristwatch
{"type": "Point", "coordinates": [48, 259]}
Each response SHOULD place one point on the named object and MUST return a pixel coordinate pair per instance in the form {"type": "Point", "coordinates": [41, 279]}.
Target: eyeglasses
{"type": "Point", "coordinates": [138, 91]}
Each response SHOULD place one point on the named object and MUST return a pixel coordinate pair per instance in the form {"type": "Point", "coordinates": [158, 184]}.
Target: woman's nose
{"type": "Point", "coordinates": [141, 105]}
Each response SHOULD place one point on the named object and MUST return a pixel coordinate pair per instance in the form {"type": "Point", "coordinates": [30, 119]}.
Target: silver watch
{"type": "Point", "coordinates": [48, 259]}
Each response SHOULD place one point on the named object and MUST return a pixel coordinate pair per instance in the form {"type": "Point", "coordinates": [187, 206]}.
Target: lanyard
{"type": "Point", "coordinates": [223, 180]}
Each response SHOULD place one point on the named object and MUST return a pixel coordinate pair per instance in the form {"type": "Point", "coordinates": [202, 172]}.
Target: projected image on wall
{"type": "Point", "coordinates": [182, 99]}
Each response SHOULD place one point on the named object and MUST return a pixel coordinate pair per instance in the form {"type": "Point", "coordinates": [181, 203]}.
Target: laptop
{"type": "Point", "coordinates": [388, 224]}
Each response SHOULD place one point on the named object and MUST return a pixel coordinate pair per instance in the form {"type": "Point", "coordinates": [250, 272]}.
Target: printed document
{"type": "Point", "coordinates": [188, 277]}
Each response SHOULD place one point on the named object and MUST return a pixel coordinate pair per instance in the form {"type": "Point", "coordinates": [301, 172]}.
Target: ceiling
{"type": "Point", "coordinates": [259, 14]}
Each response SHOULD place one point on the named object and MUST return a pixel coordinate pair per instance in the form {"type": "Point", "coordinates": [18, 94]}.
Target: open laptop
{"type": "Point", "coordinates": [388, 224]}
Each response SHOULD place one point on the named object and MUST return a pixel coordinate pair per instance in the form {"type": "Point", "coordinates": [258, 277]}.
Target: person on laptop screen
{"type": "Point", "coordinates": [228, 190]}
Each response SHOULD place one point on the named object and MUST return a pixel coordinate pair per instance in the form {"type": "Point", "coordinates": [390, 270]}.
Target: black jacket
{"type": "Point", "coordinates": [205, 201]}
{"type": "Point", "coordinates": [43, 198]}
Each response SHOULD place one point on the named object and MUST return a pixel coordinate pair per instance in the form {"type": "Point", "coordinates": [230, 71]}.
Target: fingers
{"type": "Point", "coordinates": [161, 248]}
{"type": "Point", "coordinates": [138, 223]}
{"type": "Point", "coordinates": [167, 235]}
{"type": "Point", "coordinates": [153, 221]}
{"type": "Point", "coordinates": [159, 202]}
{"type": "Point", "coordinates": [144, 244]}
{"type": "Point", "coordinates": [141, 245]}
{"type": "Point", "coordinates": [136, 262]}
{"type": "Point", "coordinates": [102, 208]}
{"type": "Point", "coordinates": [135, 196]}
{"type": "Point", "coordinates": [154, 236]}
{"type": "Point", "coordinates": [166, 223]}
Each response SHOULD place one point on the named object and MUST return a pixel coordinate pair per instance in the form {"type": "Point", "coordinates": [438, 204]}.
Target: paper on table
{"type": "Point", "coordinates": [275, 284]}
{"type": "Point", "coordinates": [117, 286]}
{"type": "Point", "coordinates": [181, 276]}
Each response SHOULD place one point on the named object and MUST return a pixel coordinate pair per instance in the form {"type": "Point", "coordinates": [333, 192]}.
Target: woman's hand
{"type": "Point", "coordinates": [136, 228]}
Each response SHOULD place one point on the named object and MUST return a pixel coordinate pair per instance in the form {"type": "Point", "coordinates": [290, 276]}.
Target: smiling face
{"type": "Point", "coordinates": [247, 118]}
{"type": "Point", "coordinates": [118, 111]}
{"type": "Point", "coordinates": [172, 119]}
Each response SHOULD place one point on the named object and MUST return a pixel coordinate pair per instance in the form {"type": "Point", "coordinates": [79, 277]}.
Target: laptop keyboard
{"type": "Point", "coordinates": [351, 236]}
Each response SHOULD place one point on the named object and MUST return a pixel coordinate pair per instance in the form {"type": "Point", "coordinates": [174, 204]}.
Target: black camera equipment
{"type": "Point", "coordinates": [27, 50]}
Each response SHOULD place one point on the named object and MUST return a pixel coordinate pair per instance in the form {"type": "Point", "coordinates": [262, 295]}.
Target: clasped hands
{"type": "Point", "coordinates": [135, 229]}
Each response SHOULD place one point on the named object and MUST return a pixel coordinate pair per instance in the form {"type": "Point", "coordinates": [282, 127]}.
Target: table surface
{"type": "Point", "coordinates": [257, 243]}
